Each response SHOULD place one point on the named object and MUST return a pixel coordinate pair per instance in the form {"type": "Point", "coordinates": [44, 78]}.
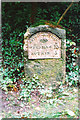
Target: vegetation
{"type": "Point", "coordinates": [16, 18]}
{"type": "Point", "coordinates": [47, 22]}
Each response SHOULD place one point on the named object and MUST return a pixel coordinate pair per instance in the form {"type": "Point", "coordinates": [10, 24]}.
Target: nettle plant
{"type": "Point", "coordinates": [30, 86]}
{"type": "Point", "coordinates": [71, 65]}
{"type": "Point", "coordinates": [35, 88]}
{"type": "Point", "coordinates": [12, 51]}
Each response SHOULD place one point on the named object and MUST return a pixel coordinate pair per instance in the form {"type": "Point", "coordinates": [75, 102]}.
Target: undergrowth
{"type": "Point", "coordinates": [13, 28]}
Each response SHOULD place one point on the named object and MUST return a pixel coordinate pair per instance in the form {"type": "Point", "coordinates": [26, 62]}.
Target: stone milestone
{"type": "Point", "coordinates": [44, 45]}
{"type": "Point", "coordinates": [45, 53]}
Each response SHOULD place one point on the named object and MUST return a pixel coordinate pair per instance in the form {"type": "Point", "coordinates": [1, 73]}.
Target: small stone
{"type": "Point", "coordinates": [37, 108]}
{"type": "Point", "coordinates": [75, 90]}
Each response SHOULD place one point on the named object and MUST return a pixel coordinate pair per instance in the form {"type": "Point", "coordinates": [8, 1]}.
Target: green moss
{"type": "Point", "coordinates": [46, 22]}
{"type": "Point", "coordinates": [41, 22]}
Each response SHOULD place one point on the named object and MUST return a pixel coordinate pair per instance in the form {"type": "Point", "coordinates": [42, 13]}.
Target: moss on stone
{"type": "Point", "coordinates": [51, 70]}
{"type": "Point", "coordinates": [47, 22]}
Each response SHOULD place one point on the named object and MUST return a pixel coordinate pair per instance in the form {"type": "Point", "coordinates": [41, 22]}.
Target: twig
{"type": "Point", "coordinates": [64, 13]}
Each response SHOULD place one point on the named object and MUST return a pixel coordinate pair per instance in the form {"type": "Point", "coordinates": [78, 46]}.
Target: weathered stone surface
{"type": "Point", "coordinates": [44, 45]}
{"type": "Point", "coordinates": [50, 68]}
{"type": "Point", "coordinates": [45, 28]}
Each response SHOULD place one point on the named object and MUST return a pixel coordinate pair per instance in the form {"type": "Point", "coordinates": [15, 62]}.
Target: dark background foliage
{"type": "Point", "coordinates": [17, 17]}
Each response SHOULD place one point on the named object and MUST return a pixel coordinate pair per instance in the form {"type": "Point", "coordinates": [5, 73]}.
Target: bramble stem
{"type": "Point", "coordinates": [64, 13]}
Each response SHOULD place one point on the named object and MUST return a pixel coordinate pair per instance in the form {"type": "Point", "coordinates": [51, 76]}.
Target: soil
{"type": "Point", "coordinates": [12, 107]}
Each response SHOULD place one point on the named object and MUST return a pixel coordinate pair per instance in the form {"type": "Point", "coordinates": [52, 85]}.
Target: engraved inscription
{"type": "Point", "coordinates": [56, 46]}
{"type": "Point", "coordinates": [44, 45]}
{"type": "Point", "coordinates": [43, 40]}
